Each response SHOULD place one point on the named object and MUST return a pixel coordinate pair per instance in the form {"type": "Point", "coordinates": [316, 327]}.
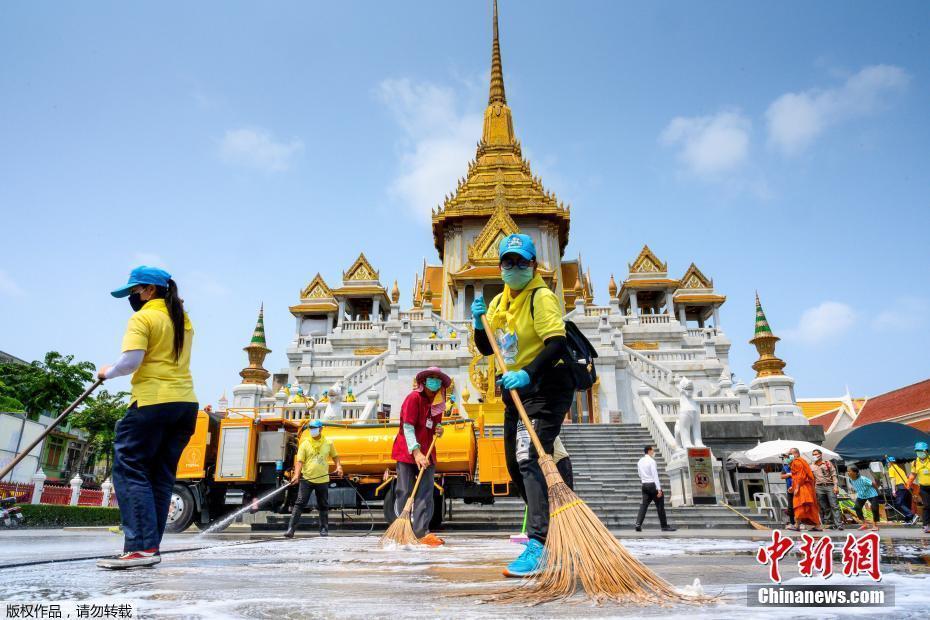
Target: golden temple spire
{"type": "Point", "coordinates": [497, 94]}
{"type": "Point", "coordinates": [498, 124]}
{"type": "Point", "coordinates": [257, 350]}
{"type": "Point", "coordinates": [764, 340]}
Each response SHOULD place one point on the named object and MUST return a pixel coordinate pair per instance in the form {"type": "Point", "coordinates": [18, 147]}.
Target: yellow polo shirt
{"type": "Point", "coordinates": [315, 455]}
{"type": "Point", "coordinates": [520, 333]}
{"type": "Point", "coordinates": [159, 379]}
{"type": "Point", "coordinates": [921, 467]}
{"type": "Point", "coordinates": [897, 474]}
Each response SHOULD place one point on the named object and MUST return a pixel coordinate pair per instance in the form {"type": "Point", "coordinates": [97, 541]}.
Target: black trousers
{"type": "Point", "coordinates": [149, 441]}
{"type": "Point", "coordinates": [322, 496]}
{"type": "Point", "coordinates": [651, 494]}
{"type": "Point", "coordinates": [546, 403]}
{"type": "Point", "coordinates": [790, 508]}
{"type": "Point", "coordinates": [874, 503]}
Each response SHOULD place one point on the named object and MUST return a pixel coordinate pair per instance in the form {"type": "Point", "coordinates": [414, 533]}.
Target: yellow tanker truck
{"type": "Point", "coordinates": [235, 458]}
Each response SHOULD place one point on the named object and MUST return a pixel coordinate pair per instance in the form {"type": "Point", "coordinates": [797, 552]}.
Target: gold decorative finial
{"type": "Point", "coordinates": [612, 287]}
{"type": "Point", "coordinates": [395, 293]}
{"type": "Point", "coordinates": [497, 94]}
{"type": "Point", "coordinates": [578, 287]}
{"type": "Point", "coordinates": [257, 351]}
{"type": "Point", "coordinates": [427, 293]}
{"type": "Point", "coordinates": [764, 340]}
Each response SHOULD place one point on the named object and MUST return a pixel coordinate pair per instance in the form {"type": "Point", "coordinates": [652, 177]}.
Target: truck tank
{"type": "Point", "coordinates": [365, 449]}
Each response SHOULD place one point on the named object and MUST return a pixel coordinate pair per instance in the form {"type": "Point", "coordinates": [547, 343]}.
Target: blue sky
{"type": "Point", "coordinates": [780, 146]}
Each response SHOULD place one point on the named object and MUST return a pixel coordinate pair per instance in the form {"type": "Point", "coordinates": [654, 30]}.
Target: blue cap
{"type": "Point", "coordinates": [920, 445]}
{"type": "Point", "coordinates": [143, 275]}
{"type": "Point", "coordinates": [890, 459]}
{"type": "Point", "coordinates": [517, 244]}
{"type": "Point", "coordinates": [316, 424]}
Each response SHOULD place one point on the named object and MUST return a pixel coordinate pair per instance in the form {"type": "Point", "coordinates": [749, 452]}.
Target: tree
{"type": "Point", "coordinates": [98, 418]}
{"type": "Point", "coordinates": [47, 386]}
{"type": "Point", "coordinates": [8, 401]}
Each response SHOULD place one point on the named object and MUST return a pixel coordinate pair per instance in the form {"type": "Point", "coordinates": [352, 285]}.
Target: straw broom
{"type": "Point", "coordinates": [579, 547]}
{"type": "Point", "coordinates": [401, 531]}
{"type": "Point", "coordinates": [754, 524]}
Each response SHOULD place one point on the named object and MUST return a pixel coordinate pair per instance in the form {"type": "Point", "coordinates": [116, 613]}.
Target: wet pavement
{"type": "Point", "coordinates": [348, 576]}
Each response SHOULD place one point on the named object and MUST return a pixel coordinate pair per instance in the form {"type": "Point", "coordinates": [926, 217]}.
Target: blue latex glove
{"type": "Point", "coordinates": [478, 308]}
{"type": "Point", "coordinates": [515, 379]}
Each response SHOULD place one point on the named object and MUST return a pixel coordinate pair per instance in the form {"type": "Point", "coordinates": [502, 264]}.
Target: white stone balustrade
{"type": "Point", "coordinates": [654, 319]}
{"type": "Point", "coordinates": [354, 326]}
{"type": "Point", "coordinates": [674, 355]}
{"type": "Point", "coordinates": [710, 406]}
{"type": "Point", "coordinates": [597, 310]}
{"type": "Point", "coordinates": [659, 377]}
{"type": "Point", "coordinates": [371, 369]}
{"type": "Point", "coordinates": [342, 361]}
{"type": "Point", "coordinates": [413, 315]}
{"type": "Point", "coordinates": [436, 344]}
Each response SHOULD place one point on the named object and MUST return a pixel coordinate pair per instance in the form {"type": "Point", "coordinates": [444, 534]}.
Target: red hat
{"type": "Point", "coordinates": [433, 371]}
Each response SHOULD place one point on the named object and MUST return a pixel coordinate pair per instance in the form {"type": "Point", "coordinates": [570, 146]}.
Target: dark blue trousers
{"type": "Point", "coordinates": [149, 441]}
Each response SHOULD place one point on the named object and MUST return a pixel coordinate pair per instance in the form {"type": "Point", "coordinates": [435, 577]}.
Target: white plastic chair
{"type": "Point", "coordinates": [764, 503]}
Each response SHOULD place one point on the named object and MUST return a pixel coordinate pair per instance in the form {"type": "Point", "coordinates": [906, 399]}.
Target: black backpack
{"type": "Point", "coordinates": [580, 356]}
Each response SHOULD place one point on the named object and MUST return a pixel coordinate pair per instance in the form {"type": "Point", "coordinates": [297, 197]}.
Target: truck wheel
{"type": "Point", "coordinates": [181, 509]}
{"type": "Point", "coordinates": [436, 521]}
{"type": "Point", "coordinates": [389, 515]}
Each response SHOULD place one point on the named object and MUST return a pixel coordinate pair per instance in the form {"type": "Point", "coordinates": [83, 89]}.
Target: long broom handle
{"type": "Point", "coordinates": [416, 484]}
{"type": "Point", "coordinates": [513, 393]}
{"type": "Point", "coordinates": [64, 414]}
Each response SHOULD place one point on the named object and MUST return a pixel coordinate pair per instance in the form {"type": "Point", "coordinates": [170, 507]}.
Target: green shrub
{"type": "Point", "coordinates": [49, 515]}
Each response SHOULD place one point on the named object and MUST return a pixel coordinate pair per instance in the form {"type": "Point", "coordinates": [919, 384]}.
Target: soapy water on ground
{"type": "Point", "coordinates": [354, 577]}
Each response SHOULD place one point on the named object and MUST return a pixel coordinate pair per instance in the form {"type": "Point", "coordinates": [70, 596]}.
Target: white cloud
{"type": "Point", "coordinates": [907, 313]}
{"type": "Point", "coordinates": [439, 139]}
{"type": "Point", "coordinates": [796, 119]}
{"type": "Point", "coordinates": [9, 287]}
{"type": "Point", "coordinates": [710, 145]}
{"type": "Point", "coordinates": [827, 321]}
{"type": "Point", "coordinates": [257, 148]}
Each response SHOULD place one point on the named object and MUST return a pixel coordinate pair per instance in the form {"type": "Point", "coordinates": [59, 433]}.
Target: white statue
{"type": "Point", "coordinates": [688, 426]}
{"type": "Point", "coordinates": [334, 406]}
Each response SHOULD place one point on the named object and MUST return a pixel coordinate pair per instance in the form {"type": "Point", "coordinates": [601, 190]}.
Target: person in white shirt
{"type": "Point", "coordinates": [652, 490]}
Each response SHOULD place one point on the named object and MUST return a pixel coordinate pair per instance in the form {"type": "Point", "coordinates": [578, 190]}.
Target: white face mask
{"type": "Point", "coordinates": [315, 432]}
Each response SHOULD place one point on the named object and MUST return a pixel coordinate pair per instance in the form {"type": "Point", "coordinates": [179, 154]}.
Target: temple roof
{"type": "Point", "coordinates": [499, 176]}
{"type": "Point", "coordinates": [896, 403]}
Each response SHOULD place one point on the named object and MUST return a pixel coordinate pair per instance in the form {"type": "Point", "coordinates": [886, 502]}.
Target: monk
{"type": "Point", "coordinates": [805, 498]}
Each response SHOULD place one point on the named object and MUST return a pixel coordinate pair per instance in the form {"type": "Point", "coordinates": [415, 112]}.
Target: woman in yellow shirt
{"type": "Point", "coordinates": [527, 324]}
{"type": "Point", "coordinates": [161, 415]}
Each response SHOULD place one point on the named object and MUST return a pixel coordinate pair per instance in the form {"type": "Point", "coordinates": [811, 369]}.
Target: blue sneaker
{"type": "Point", "coordinates": [530, 563]}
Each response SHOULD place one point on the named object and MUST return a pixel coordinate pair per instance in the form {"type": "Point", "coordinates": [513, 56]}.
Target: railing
{"type": "Point", "coordinates": [22, 491]}
{"type": "Point", "coordinates": [436, 344]}
{"type": "Point", "coordinates": [597, 310]}
{"type": "Point", "coordinates": [413, 315]}
{"type": "Point", "coordinates": [368, 370]}
{"type": "Point", "coordinates": [708, 405]}
{"type": "Point", "coordinates": [702, 332]}
{"type": "Point", "coordinates": [652, 420]}
{"type": "Point", "coordinates": [659, 377]}
{"type": "Point", "coordinates": [674, 355]}
{"type": "Point", "coordinates": [654, 319]}
{"type": "Point", "coordinates": [352, 326]}
{"type": "Point", "coordinates": [459, 327]}
{"type": "Point", "coordinates": [339, 362]}
{"type": "Point", "coordinates": [312, 340]}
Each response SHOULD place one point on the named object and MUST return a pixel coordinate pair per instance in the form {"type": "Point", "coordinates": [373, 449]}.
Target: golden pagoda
{"type": "Point", "coordinates": [764, 340]}
{"type": "Point", "coordinates": [498, 196]}
{"type": "Point", "coordinates": [257, 349]}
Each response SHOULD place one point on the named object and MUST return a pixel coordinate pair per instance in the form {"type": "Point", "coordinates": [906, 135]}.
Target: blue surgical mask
{"type": "Point", "coordinates": [315, 432]}
{"type": "Point", "coordinates": [790, 457]}
{"type": "Point", "coordinates": [433, 384]}
{"type": "Point", "coordinates": [517, 278]}
{"type": "Point", "coordinates": [921, 454]}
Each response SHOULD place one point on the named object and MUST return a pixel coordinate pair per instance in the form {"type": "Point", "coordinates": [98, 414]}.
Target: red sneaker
{"type": "Point", "coordinates": [431, 540]}
{"type": "Point", "coordinates": [131, 559]}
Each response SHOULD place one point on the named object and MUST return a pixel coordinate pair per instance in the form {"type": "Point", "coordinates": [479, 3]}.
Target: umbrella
{"type": "Point", "coordinates": [873, 442]}
{"type": "Point", "coordinates": [771, 451]}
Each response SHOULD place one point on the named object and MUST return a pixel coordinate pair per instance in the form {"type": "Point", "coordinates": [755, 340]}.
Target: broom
{"type": "Point", "coordinates": [754, 524]}
{"type": "Point", "coordinates": [401, 531]}
{"type": "Point", "coordinates": [579, 547]}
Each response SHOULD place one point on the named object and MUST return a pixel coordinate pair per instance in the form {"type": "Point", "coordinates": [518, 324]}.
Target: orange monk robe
{"type": "Point", "coordinates": [805, 498]}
